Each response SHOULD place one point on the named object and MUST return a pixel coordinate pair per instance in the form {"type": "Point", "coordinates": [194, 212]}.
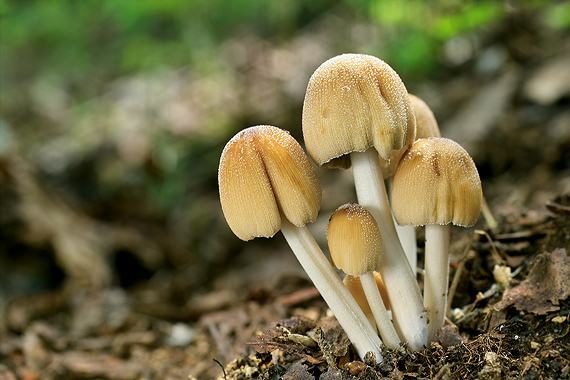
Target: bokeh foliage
{"type": "Point", "coordinates": [84, 44]}
{"type": "Point", "coordinates": [73, 50]}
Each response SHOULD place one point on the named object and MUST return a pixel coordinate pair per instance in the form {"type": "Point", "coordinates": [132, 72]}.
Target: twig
{"type": "Point", "coordinates": [444, 373]}
{"type": "Point", "coordinates": [300, 296]}
{"type": "Point", "coordinates": [518, 235]}
{"type": "Point", "coordinates": [221, 366]}
{"type": "Point", "coordinates": [557, 208]}
{"type": "Point", "coordinates": [457, 276]}
{"type": "Point", "coordinates": [493, 248]}
{"type": "Point", "coordinates": [488, 215]}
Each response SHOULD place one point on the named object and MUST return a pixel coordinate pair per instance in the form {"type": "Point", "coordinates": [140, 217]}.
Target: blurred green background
{"type": "Point", "coordinates": [124, 106]}
{"type": "Point", "coordinates": [113, 116]}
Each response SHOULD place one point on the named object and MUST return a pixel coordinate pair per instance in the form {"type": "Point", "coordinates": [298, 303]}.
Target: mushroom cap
{"type": "Point", "coordinates": [382, 289]}
{"type": "Point", "coordinates": [426, 126]}
{"type": "Point", "coordinates": [436, 183]}
{"type": "Point", "coordinates": [354, 286]}
{"type": "Point", "coordinates": [355, 245]}
{"type": "Point", "coordinates": [263, 172]}
{"type": "Point", "coordinates": [354, 102]}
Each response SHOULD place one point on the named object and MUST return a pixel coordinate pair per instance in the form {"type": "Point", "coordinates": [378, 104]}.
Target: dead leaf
{"type": "Point", "coordinates": [278, 337]}
{"type": "Point", "coordinates": [547, 284]}
{"type": "Point", "coordinates": [298, 371]}
{"type": "Point", "coordinates": [449, 336]}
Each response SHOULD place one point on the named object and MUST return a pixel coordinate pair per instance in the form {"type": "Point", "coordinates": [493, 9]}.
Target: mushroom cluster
{"type": "Point", "coordinates": [358, 115]}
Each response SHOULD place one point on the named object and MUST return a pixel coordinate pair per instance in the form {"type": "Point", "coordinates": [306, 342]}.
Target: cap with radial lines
{"type": "Point", "coordinates": [264, 172]}
{"type": "Point", "coordinates": [436, 183]}
{"type": "Point", "coordinates": [354, 102]}
{"type": "Point", "coordinates": [355, 245]}
{"type": "Point", "coordinates": [426, 126]}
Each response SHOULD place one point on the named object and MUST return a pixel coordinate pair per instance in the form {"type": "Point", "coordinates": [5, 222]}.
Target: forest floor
{"type": "Point", "coordinates": [252, 313]}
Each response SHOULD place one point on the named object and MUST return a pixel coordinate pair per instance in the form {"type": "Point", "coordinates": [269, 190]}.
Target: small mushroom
{"type": "Point", "coordinates": [436, 184]}
{"type": "Point", "coordinates": [356, 107]}
{"type": "Point", "coordinates": [426, 126]}
{"type": "Point", "coordinates": [354, 286]}
{"type": "Point", "coordinates": [267, 184]}
{"type": "Point", "coordinates": [355, 246]}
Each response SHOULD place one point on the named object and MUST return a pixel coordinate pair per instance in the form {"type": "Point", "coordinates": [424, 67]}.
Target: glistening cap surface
{"type": "Point", "coordinates": [436, 183]}
{"type": "Point", "coordinates": [426, 126]}
{"type": "Point", "coordinates": [355, 245]}
{"type": "Point", "coordinates": [354, 102]}
{"type": "Point", "coordinates": [263, 171]}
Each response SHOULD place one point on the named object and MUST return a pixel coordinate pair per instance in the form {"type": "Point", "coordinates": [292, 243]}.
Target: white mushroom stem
{"type": "Point", "coordinates": [407, 236]}
{"type": "Point", "coordinates": [436, 276]}
{"type": "Point", "coordinates": [403, 290]}
{"type": "Point", "coordinates": [383, 322]}
{"type": "Point", "coordinates": [333, 291]}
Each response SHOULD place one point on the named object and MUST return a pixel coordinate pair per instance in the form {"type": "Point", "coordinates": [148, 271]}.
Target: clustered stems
{"type": "Point", "coordinates": [401, 285]}
{"type": "Point", "coordinates": [406, 235]}
{"type": "Point", "coordinates": [385, 326]}
{"type": "Point", "coordinates": [436, 184]}
{"type": "Point", "coordinates": [355, 246]}
{"type": "Point", "coordinates": [356, 112]}
{"type": "Point", "coordinates": [333, 291]}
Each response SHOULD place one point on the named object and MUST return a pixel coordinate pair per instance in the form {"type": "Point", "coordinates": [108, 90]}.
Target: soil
{"type": "Point", "coordinates": [143, 302]}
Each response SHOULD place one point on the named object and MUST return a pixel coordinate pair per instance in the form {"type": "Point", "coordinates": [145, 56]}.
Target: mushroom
{"type": "Point", "coordinates": [267, 184]}
{"type": "Point", "coordinates": [436, 184]}
{"type": "Point", "coordinates": [355, 246]}
{"type": "Point", "coordinates": [355, 108]}
{"type": "Point", "coordinates": [426, 126]}
{"type": "Point", "coordinates": [354, 286]}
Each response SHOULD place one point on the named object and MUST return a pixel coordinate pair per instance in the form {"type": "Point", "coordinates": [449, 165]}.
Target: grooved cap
{"type": "Point", "coordinates": [354, 102]}
{"type": "Point", "coordinates": [264, 171]}
{"type": "Point", "coordinates": [436, 183]}
{"type": "Point", "coordinates": [426, 126]}
{"type": "Point", "coordinates": [355, 245]}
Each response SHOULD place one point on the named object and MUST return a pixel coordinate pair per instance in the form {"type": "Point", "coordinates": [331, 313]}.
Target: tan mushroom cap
{"type": "Point", "coordinates": [264, 171]}
{"type": "Point", "coordinates": [436, 183]}
{"type": "Point", "coordinates": [354, 286]}
{"type": "Point", "coordinates": [426, 126]}
{"type": "Point", "coordinates": [355, 245]}
{"type": "Point", "coordinates": [382, 289]}
{"type": "Point", "coordinates": [354, 102]}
